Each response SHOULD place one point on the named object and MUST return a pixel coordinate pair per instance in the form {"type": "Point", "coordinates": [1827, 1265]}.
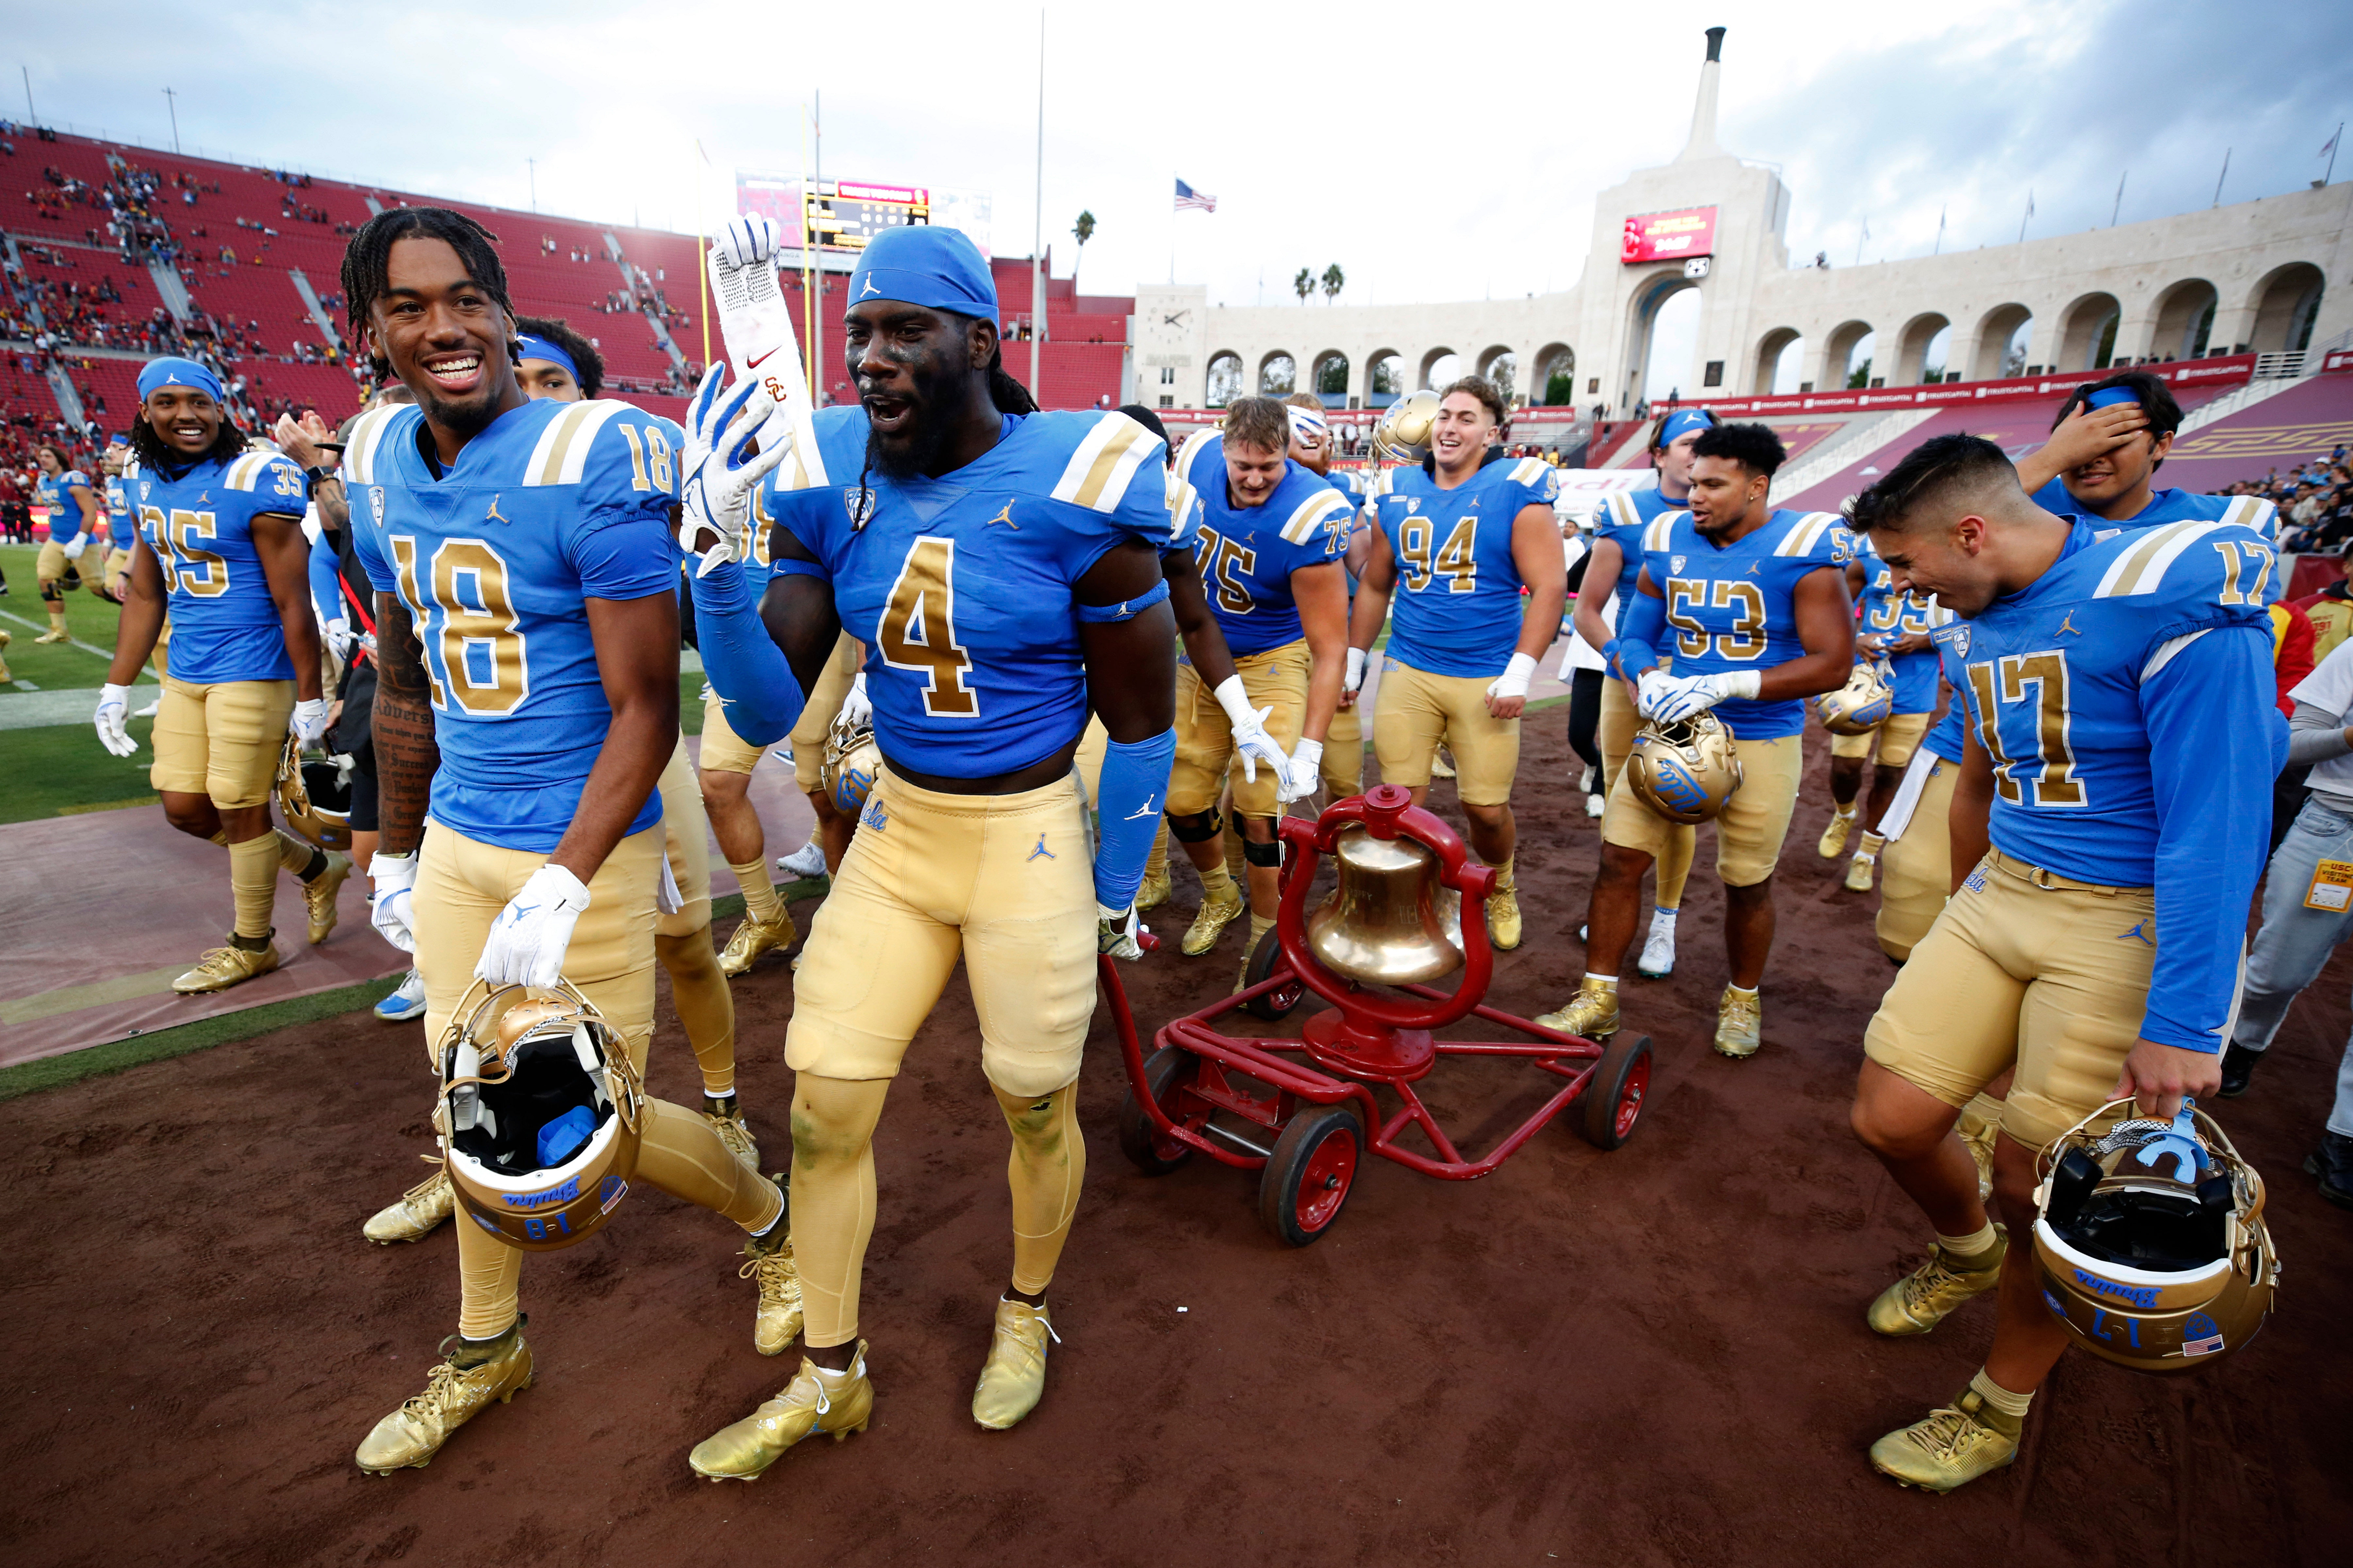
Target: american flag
{"type": "Point", "coordinates": [1186, 196]}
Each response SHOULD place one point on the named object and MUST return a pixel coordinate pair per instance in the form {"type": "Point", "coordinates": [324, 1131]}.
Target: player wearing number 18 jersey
{"type": "Point", "coordinates": [1893, 627]}
{"type": "Point", "coordinates": [2122, 745]}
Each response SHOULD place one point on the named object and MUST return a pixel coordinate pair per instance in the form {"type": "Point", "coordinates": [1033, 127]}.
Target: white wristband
{"type": "Point", "coordinates": [1514, 681]}
{"type": "Point", "coordinates": [1354, 679]}
{"type": "Point", "coordinates": [1741, 685]}
{"type": "Point", "coordinates": [1236, 701]}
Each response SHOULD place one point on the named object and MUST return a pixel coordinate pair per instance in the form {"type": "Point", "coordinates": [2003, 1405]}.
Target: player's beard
{"type": "Point", "coordinates": [938, 402]}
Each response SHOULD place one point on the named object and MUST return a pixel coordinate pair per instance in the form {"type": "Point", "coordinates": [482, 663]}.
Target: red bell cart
{"type": "Point", "coordinates": [1303, 1123]}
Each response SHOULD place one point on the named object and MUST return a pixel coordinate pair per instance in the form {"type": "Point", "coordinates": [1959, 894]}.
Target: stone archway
{"type": "Point", "coordinates": [1224, 380]}
{"type": "Point", "coordinates": [2087, 333]}
{"type": "Point", "coordinates": [1770, 349]}
{"type": "Point", "coordinates": [1908, 365]}
{"type": "Point", "coordinates": [1431, 362]}
{"type": "Point", "coordinates": [2001, 342]}
{"type": "Point", "coordinates": [2285, 302]}
{"type": "Point", "coordinates": [1278, 374]}
{"type": "Point", "coordinates": [2184, 321]}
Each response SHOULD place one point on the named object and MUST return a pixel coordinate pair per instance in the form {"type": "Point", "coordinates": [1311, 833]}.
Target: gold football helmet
{"type": "Point", "coordinates": [541, 1114]}
{"type": "Point", "coordinates": [315, 798]}
{"type": "Point", "coordinates": [1403, 434]}
{"type": "Point", "coordinates": [2149, 1241]}
{"type": "Point", "coordinates": [852, 761]}
{"type": "Point", "coordinates": [1863, 704]}
{"type": "Point", "coordinates": [1686, 769]}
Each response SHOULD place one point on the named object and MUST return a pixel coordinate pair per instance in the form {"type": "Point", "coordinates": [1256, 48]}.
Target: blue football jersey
{"type": "Point", "coordinates": [56, 492]}
{"type": "Point", "coordinates": [1621, 519]}
{"type": "Point", "coordinates": [2173, 506]}
{"type": "Point", "coordinates": [1247, 554]}
{"type": "Point", "coordinates": [828, 453]}
{"type": "Point", "coordinates": [1888, 614]}
{"type": "Point", "coordinates": [1731, 608]}
{"type": "Point", "coordinates": [1456, 606]}
{"type": "Point", "coordinates": [224, 624]}
{"type": "Point", "coordinates": [961, 587]}
{"type": "Point", "coordinates": [121, 517]}
{"type": "Point", "coordinates": [2124, 701]}
{"type": "Point", "coordinates": [553, 504]}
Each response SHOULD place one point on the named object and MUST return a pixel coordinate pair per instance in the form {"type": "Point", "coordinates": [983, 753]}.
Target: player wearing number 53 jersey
{"type": "Point", "coordinates": [1457, 538]}
{"type": "Point", "coordinates": [2121, 746]}
{"type": "Point", "coordinates": [527, 630]}
{"type": "Point", "coordinates": [221, 549]}
{"type": "Point", "coordinates": [1002, 567]}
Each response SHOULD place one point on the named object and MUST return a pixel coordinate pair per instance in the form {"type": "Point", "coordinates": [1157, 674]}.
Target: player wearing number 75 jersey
{"type": "Point", "coordinates": [1002, 568]}
{"type": "Point", "coordinates": [2121, 746]}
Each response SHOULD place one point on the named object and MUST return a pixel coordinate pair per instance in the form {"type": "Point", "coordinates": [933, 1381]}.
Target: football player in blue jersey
{"type": "Point", "coordinates": [1461, 536]}
{"type": "Point", "coordinates": [1002, 568]}
{"type": "Point", "coordinates": [73, 519]}
{"type": "Point", "coordinates": [1756, 604]}
{"type": "Point", "coordinates": [527, 702]}
{"type": "Point", "coordinates": [2109, 826]}
{"type": "Point", "coordinates": [221, 544]}
{"type": "Point", "coordinates": [1343, 763]}
{"type": "Point", "coordinates": [1271, 535]}
{"type": "Point", "coordinates": [121, 517]}
{"type": "Point", "coordinates": [2107, 442]}
{"type": "Point", "coordinates": [1617, 560]}
{"type": "Point", "coordinates": [1893, 629]}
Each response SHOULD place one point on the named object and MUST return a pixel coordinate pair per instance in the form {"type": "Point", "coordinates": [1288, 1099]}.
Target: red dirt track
{"type": "Point", "coordinates": [1651, 1357]}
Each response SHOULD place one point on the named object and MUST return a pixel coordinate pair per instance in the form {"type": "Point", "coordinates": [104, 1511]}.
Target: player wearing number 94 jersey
{"type": "Point", "coordinates": [1002, 567]}
{"type": "Point", "coordinates": [2121, 749]}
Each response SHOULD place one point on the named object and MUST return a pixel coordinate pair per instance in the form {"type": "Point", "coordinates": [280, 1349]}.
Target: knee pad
{"type": "Point", "coordinates": [1199, 828]}
{"type": "Point", "coordinates": [50, 591]}
{"type": "Point", "coordinates": [1259, 854]}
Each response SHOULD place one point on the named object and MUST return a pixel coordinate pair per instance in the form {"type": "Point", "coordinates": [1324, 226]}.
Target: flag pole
{"type": "Point", "coordinates": [1037, 234]}
{"type": "Point", "coordinates": [701, 257]}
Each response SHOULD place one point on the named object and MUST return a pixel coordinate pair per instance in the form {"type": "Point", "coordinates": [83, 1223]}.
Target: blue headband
{"type": "Point", "coordinates": [922, 264]}
{"type": "Point", "coordinates": [536, 347]}
{"type": "Point", "coordinates": [2109, 396]}
{"type": "Point", "coordinates": [171, 371]}
{"type": "Point", "coordinates": [1683, 421]}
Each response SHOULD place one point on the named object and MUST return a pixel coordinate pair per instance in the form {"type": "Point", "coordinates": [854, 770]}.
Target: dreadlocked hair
{"type": "Point", "coordinates": [229, 444]}
{"type": "Point", "coordinates": [1008, 394]}
{"type": "Point", "coordinates": [367, 261]}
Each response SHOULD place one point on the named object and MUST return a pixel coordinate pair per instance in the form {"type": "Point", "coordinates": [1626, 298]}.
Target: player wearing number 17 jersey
{"type": "Point", "coordinates": [2122, 744]}
{"type": "Point", "coordinates": [1002, 567]}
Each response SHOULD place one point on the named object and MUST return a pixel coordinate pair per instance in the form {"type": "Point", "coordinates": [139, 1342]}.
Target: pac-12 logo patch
{"type": "Point", "coordinates": [861, 505]}
{"type": "Point", "coordinates": [1675, 563]}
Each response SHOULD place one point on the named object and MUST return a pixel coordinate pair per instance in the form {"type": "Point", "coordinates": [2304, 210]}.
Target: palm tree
{"type": "Point", "coordinates": [1305, 284]}
{"type": "Point", "coordinates": [1334, 281]}
{"type": "Point", "coordinates": [1083, 230]}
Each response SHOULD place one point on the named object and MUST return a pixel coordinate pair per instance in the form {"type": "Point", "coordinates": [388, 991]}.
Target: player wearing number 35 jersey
{"type": "Point", "coordinates": [2121, 745]}
{"type": "Point", "coordinates": [1002, 568]}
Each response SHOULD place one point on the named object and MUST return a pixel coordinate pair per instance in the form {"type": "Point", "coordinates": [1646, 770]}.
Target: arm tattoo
{"type": "Point", "coordinates": [406, 753]}
{"type": "Point", "coordinates": [334, 506]}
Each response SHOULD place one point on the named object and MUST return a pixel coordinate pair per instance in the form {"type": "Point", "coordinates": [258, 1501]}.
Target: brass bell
{"type": "Point", "coordinates": [1390, 921]}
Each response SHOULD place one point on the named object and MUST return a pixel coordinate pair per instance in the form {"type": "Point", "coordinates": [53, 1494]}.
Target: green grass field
{"type": "Point", "coordinates": [89, 619]}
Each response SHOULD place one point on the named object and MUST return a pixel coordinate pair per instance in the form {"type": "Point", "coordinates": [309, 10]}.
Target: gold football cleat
{"type": "Point", "coordinates": [1442, 766]}
{"type": "Point", "coordinates": [1833, 842]}
{"type": "Point", "coordinates": [754, 938]}
{"type": "Point", "coordinates": [5, 640]}
{"type": "Point", "coordinates": [1592, 1013]}
{"type": "Point", "coordinates": [418, 1210]}
{"type": "Point", "coordinates": [1504, 927]}
{"type": "Point", "coordinates": [1949, 1447]}
{"type": "Point", "coordinates": [1739, 1024]}
{"type": "Point", "coordinates": [319, 896]}
{"type": "Point", "coordinates": [1213, 919]}
{"type": "Point", "coordinates": [1929, 1294]}
{"type": "Point", "coordinates": [1014, 1377]}
{"type": "Point", "coordinates": [1859, 872]}
{"type": "Point", "coordinates": [223, 967]}
{"type": "Point", "coordinates": [737, 1137]}
{"type": "Point", "coordinates": [455, 1393]}
{"type": "Point", "coordinates": [54, 635]}
{"type": "Point", "coordinates": [836, 1403]}
{"type": "Point", "coordinates": [776, 1321]}
{"type": "Point", "coordinates": [1153, 891]}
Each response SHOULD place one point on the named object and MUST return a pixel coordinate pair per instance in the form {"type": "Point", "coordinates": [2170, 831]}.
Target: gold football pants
{"type": "Point", "coordinates": [1615, 735]}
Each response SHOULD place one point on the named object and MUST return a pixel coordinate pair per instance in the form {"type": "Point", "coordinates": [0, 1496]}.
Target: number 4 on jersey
{"type": "Point", "coordinates": [918, 630]}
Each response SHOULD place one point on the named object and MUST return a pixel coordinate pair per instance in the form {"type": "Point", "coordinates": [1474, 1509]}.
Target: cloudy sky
{"type": "Point", "coordinates": [1435, 152]}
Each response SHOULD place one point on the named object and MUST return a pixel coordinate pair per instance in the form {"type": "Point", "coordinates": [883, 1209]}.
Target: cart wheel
{"type": "Point", "coordinates": [1310, 1173]}
{"type": "Point", "coordinates": [1166, 1072]}
{"type": "Point", "coordinates": [1613, 1100]}
{"type": "Point", "coordinates": [1266, 960]}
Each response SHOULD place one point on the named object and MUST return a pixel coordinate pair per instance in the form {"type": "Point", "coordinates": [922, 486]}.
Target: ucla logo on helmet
{"type": "Point", "coordinates": [1673, 784]}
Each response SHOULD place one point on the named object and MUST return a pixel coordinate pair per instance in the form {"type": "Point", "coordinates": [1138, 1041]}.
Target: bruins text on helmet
{"type": "Point", "coordinates": [1403, 434]}
{"type": "Point", "coordinates": [315, 798]}
{"type": "Point", "coordinates": [2150, 1242]}
{"type": "Point", "coordinates": [851, 761]}
{"type": "Point", "coordinates": [541, 1114]}
{"type": "Point", "coordinates": [1863, 704]}
{"type": "Point", "coordinates": [1684, 770]}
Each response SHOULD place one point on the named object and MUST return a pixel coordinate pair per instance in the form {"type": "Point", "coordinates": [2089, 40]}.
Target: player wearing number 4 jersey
{"type": "Point", "coordinates": [2109, 825]}
{"type": "Point", "coordinates": [1001, 566]}
{"type": "Point", "coordinates": [221, 545]}
{"type": "Point", "coordinates": [1751, 605]}
{"type": "Point", "coordinates": [527, 629]}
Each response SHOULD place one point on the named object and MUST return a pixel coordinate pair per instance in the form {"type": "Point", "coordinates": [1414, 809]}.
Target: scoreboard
{"type": "Point", "coordinates": [843, 215]}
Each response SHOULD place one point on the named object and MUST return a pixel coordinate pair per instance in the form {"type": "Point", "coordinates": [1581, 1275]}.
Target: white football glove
{"type": "Point", "coordinates": [754, 320]}
{"type": "Point", "coordinates": [1670, 697]}
{"type": "Point", "coordinates": [309, 725]}
{"type": "Point", "coordinates": [527, 941]}
{"type": "Point", "coordinates": [340, 641]}
{"type": "Point", "coordinates": [1119, 932]}
{"type": "Point", "coordinates": [81, 542]}
{"type": "Point", "coordinates": [1250, 738]}
{"type": "Point", "coordinates": [857, 708]}
{"type": "Point", "coordinates": [1305, 774]}
{"type": "Point", "coordinates": [393, 876]}
{"type": "Point", "coordinates": [717, 475]}
{"type": "Point", "coordinates": [112, 717]}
